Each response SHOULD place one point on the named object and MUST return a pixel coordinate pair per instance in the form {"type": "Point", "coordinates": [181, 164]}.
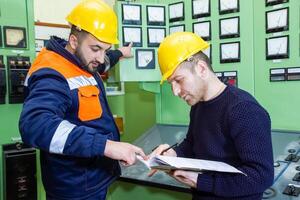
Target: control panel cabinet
{"type": "Point", "coordinates": [17, 69]}
{"type": "Point", "coordinates": [2, 81]}
{"type": "Point", "coordinates": [19, 172]}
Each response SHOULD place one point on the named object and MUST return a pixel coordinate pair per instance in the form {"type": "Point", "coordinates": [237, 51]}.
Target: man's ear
{"type": "Point", "coordinates": [73, 41]}
{"type": "Point", "coordinates": [201, 69]}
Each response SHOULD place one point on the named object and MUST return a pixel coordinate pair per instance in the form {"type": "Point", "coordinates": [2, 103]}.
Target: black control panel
{"type": "Point", "coordinates": [286, 167]}
{"type": "Point", "coordinates": [2, 81]}
{"type": "Point", "coordinates": [228, 77]}
{"type": "Point", "coordinates": [18, 67]}
{"type": "Point", "coordinates": [19, 172]}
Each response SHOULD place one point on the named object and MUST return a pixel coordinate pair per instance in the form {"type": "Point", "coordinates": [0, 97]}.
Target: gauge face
{"type": "Point", "coordinates": [155, 36]}
{"type": "Point", "coordinates": [132, 34]}
{"type": "Point", "coordinates": [15, 37]}
{"type": "Point", "coordinates": [229, 27]}
{"type": "Point", "coordinates": [277, 20]}
{"type": "Point", "coordinates": [145, 59]}
{"type": "Point", "coordinates": [201, 8]}
{"type": "Point", "coordinates": [277, 47]}
{"type": "Point", "coordinates": [156, 15]}
{"type": "Point", "coordinates": [174, 29]}
{"type": "Point", "coordinates": [131, 14]}
{"type": "Point", "coordinates": [202, 29]}
{"type": "Point", "coordinates": [230, 52]}
{"type": "Point", "coordinates": [228, 6]}
{"type": "Point", "coordinates": [176, 12]}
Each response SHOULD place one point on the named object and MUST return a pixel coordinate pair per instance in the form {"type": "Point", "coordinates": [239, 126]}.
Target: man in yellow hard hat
{"type": "Point", "coordinates": [226, 124]}
{"type": "Point", "coordinates": [66, 113]}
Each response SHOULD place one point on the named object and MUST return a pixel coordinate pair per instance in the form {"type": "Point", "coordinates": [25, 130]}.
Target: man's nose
{"type": "Point", "coordinates": [100, 57]}
{"type": "Point", "coordinates": [175, 89]}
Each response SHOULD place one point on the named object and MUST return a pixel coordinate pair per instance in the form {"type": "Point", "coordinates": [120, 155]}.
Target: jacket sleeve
{"type": "Point", "coordinates": [251, 132]}
{"type": "Point", "coordinates": [42, 124]}
{"type": "Point", "coordinates": [113, 56]}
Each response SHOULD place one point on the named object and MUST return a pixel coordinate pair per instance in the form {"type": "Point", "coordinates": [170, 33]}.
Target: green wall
{"type": "Point", "coordinates": [137, 107]}
{"type": "Point", "coordinates": [282, 98]}
{"type": "Point", "coordinates": [17, 13]}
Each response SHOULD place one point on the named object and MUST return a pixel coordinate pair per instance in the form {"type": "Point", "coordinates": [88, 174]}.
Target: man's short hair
{"type": "Point", "coordinates": [79, 33]}
{"type": "Point", "coordinates": [199, 56]}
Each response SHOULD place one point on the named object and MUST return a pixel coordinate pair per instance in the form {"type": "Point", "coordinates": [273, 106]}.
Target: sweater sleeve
{"type": "Point", "coordinates": [250, 128]}
{"type": "Point", "coordinates": [42, 124]}
{"type": "Point", "coordinates": [185, 148]}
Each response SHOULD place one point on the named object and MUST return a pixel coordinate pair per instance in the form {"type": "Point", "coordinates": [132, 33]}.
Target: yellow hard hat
{"type": "Point", "coordinates": [97, 18]}
{"type": "Point", "coordinates": [175, 49]}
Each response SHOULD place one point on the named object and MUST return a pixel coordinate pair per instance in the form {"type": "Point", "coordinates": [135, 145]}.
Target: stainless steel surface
{"type": "Point", "coordinates": [284, 143]}
{"type": "Point", "coordinates": [158, 134]}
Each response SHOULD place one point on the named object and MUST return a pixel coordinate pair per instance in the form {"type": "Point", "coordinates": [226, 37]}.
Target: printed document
{"type": "Point", "coordinates": [168, 163]}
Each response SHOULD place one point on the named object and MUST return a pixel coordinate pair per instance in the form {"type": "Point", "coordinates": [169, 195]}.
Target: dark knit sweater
{"type": "Point", "coordinates": [235, 129]}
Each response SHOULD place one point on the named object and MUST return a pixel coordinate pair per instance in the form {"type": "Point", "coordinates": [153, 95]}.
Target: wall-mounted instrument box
{"type": "Point", "coordinates": [2, 81]}
{"type": "Point", "coordinates": [18, 67]}
{"type": "Point", "coordinates": [19, 172]}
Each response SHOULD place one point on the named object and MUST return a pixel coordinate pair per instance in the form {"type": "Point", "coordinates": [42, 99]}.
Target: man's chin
{"type": "Point", "coordinates": [190, 102]}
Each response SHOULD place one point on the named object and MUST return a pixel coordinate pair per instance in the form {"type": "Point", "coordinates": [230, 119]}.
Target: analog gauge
{"type": "Point", "coordinates": [174, 29]}
{"type": "Point", "coordinates": [228, 6]}
{"type": "Point", "coordinates": [145, 59]}
{"type": "Point", "coordinates": [230, 52]}
{"type": "Point", "coordinates": [229, 27]}
{"type": "Point", "coordinates": [176, 12]}
{"type": "Point", "coordinates": [202, 29]}
{"type": "Point", "coordinates": [201, 8]}
{"type": "Point", "coordinates": [277, 20]}
{"type": "Point", "coordinates": [15, 37]}
{"type": "Point", "coordinates": [132, 34]}
{"type": "Point", "coordinates": [278, 47]}
{"type": "Point", "coordinates": [156, 15]}
{"type": "Point", "coordinates": [131, 14]}
{"type": "Point", "coordinates": [155, 36]}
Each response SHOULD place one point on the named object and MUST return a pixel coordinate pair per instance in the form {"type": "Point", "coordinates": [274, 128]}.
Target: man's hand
{"type": "Point", "coordinates": [126, 51]}
{"type": "Point", "coordinates": [123, 151]}
{"type": "Point", "coordinates": [158, 151]}
{"type": "Point", "coordinates": [185, 177]}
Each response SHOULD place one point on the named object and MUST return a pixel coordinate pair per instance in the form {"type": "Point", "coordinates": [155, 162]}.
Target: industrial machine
{"type": "Point", "coordinates": [286, 151]}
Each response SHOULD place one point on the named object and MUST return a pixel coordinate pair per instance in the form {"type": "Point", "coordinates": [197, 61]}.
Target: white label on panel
{"type": "Point", "coordinates": [277, 71]}
{"type": "Point", "coordinates": [294, 70]}
{"type": "Point", "coordinates": [229, 73]}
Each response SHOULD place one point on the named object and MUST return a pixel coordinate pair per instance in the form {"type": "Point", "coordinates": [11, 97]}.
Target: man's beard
{"type": "Point", "coordinates": [84, 64]}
